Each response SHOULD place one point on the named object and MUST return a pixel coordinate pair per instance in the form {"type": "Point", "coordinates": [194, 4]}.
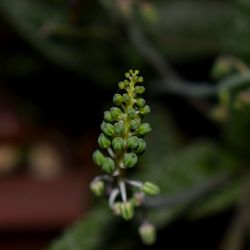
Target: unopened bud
{"type": "Point", "coordinates": [150, 189]}
{"type": "Point", "coordinates": [125, 97]}
{"type": "Point", "coordinates": [115, 113]}
{"type": "Point", "coordinates": [144, 129]}
{"type": "Point", "coordinates": [139, 90]}
{"type": "Point", "coordinates": [141, 102]}
{"type": "Point", "coordinates": [131, 112]}
{"type": "Point", "coordinates": [130, 159]}
{"type": "Point", "coordinates": [145, 110]}
{"type": "Point", "coordinates": [98, 157]}
{"type": "Point", "coordinates": [97, 187]}
{"type": "Point", "coordinates": [117, 208]}
{"type": "Point", "coordinates": [135, 123]}
{"type": "Point", "coordinates": [121, 85]}
{"type": "Point", "coordinates": [140, 79]}
{"type": "Point", "coordinates": [147, 233]}
{"type": "Point", "coordinates": [118, 144]}
{"type": "Point", "coordinates": [133, 142]}
{"type": "Point", "coordinates": [108, 165]}
{"type": "Point", "coordinates": [107, 128]}
{"type": "Point", "coordinates": [119, 128]}
{"type": "Point", "coordinates": [127, 210]}
{"type": "Point", "coordinates": [141, 146]}
{"type": "Point", "coordinates": [117, 99]}
{"type": "Point", "coordinates": [108, 116]}
{"type": "Point", "coordinates": [103, 141]}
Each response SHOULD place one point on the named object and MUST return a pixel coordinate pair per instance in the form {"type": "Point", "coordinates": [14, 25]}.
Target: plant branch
{"type": "Point", "coordinates": [190, 195]}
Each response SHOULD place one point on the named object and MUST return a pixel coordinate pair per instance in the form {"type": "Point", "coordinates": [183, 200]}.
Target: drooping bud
{"type": "Point", "coordinates": [103, 141]}
{"type": "Point", "coordinates": [139, 90]}
{"type": "Point", "coordinates": [133, 142]}
{"type": "Point", "coordinates": [141, 146]}
{"type": "Point", "coordinates": [141, 102]}
{"type": "Point", "coordinates": [119, 128]}
{"type": "Point", "coordinates": [145, 110]}
{"type": "Point", "coordinates": [147, 233]}
{"type": "Point", "coordinates": [130, 159]}
{"type": "Point", "coordinates": [135, 123]}
{"type": "Point", "coordinates": [108, 116]}
{"type": "Point", "coordinates": [98, 157]}
{"type": "Point", "coordinates": [127, 210]}
{"type": "Point", "coordinates": [97, 187]}
{"type": "Point", "coordinates": [117, 208]}
{"type": "Point", "coordinates": [107, 128]}
{"type": "Point", "coordinates": [131, 112]}
{"type": "Point", "coordinates": [108, 165]}
{"type": "Point", "coordinates": [118, 144]}
{"type": "Point", "coordinates": [115, 113]}
{"type": "Point", "coordinates": [150, 188]}
{"type": "Point", "coordinates": [143, 129]}
{"type": "Point", "coordinates": [117, 99]}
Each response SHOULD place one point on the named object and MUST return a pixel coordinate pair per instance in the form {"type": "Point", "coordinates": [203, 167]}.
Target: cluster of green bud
{"type": "Point", "coordinates": [121, 142]}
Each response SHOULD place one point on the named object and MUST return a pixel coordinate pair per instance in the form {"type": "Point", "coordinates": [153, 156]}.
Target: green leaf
{"type": "Point", "coordinates": [88, 234]}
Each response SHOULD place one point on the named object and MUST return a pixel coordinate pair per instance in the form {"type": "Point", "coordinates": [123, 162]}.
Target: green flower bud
{"type": "Point", "coordinates": [115, 113]}
{"type": "Point", "coordinates": [141, 146]}
{"type": "Point", "coordinates": [137, 72]}
{"type": "Point", "coordinates": [117, 99]}
{"type": "Point", "coordinates": [126, 98]}
{"type": "Point", "coordinates": [139, 90]}
{"type": "Point", "coordinates": [98, 157]}
{"type": "Point", "coordinates": [103, 141]}
{"type": "Point", "coordinates": [140, 79]}
{"type": "Point", "coordinates": [147, 233]}
{"type": "Point", "coordinates": [119, 128]}
{"type": "Point", "coordinates": [145, 110]}
{"type": "Point", "coordinates": [118, 144]}
{"type": "Point", "coordinates": [127, 74]}
{"type": "Point", "coordinates": [134, 79]}
{"type": "Point", "coordinates": [108, 165]}
{"type": "Point", "coordinates": [117, 208]}
{"type": "Point", "coordinates": [108, 116]}
{"type": "Point", "coordinates": [130, 159]}
{"type": "Point", "coordinates": [121, 85]}
{"type": "Point", "coordinates": [141, 102]}
{"type": "Point", "coordinates": [133, 142]}
{"type": "Point", "coordinates": [126, 82]}
{"type": "Point", "coordinates": [107, 128]}
{"type": "Point", "coordinates": [97, 187]}
{"type": "Point", "coordinates": [127, 210]}
{"type": "Point", "coordinates": [131, 72]}
{"type": "Point", "coordinates": [131, 112]}
{"type": "Point", "coordinates": [150, 189]}
{"type": "Point", "coordinates": [135, 123]}
{"type": "Point", "coordinates": [143, 129]}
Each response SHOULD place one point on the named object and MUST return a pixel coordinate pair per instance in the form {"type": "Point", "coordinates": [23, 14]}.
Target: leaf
{"type": "Point", "coordinates": [177, 170]}
{"type": "Point", "coordinates": [88, 233]}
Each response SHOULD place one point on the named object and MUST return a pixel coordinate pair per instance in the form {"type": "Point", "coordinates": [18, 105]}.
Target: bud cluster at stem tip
{"type": "Point", "coordinates": [121, 142]}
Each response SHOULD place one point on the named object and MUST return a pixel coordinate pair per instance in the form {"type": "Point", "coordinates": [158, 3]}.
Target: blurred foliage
{"type": "Point", "coordinates": [107, 36]}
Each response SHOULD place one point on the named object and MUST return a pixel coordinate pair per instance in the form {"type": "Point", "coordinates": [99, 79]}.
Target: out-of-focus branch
{"type": "Point", "coordinates": [189, 196]}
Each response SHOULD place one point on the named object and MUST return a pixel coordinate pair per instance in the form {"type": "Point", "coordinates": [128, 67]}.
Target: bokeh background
{"type": "Point", "coordinates": [60, 62]}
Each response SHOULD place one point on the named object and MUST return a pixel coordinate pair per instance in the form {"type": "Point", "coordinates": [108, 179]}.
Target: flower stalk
{"type": "Point", "coordinates": [121, 143]}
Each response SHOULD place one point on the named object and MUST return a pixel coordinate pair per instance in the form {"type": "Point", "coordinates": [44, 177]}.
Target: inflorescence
{"type": "Point", "coordinates": [121, 142]}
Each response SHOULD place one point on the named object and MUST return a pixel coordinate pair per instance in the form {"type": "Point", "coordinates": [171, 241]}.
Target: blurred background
{"type": "Point", "coordinates": [60, 62]}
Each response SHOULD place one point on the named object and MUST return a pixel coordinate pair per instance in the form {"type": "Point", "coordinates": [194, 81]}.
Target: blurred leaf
{"type": "Point", "coordinates": [179, 170]}
{"type": "Point", "coordinates": [88, 233]}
